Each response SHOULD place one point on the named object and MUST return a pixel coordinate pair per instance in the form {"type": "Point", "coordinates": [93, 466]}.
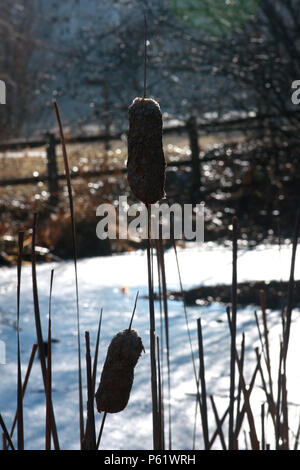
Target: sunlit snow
{"type": "Point", "coordinates": [100, 285]}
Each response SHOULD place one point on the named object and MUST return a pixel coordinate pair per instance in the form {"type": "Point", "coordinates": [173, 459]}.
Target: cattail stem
{"type": "Point", "coordinates": [39, 328]}
{"type": "Point", "coordinates": [203, 386]}
{"type": "Point", "coordinates": [19, 391]}
{"type": "Point", "coordinates": [238, 411]}
{"type": "Point", "coordinates": [187, 325]}
{"type": "Point", "coordinates": [27, 375]}
{"type": "Point", "coordinates": [266, 336]}
{"type": "Point", "coordinates": [263, 442]}
{"type": "Point", "coordinates": [162, 270]}
{"type": "Point", "coordinates": [5, 431]}
{"type": "Point", "coordinates": [101, 430]}
{"type": "Point", "coordinates": [96, 352]}
{"type": "Point", "coordinates": [145, 56]}
{"type": "Point", "coordinates": [49, 375]}
{"type": "Point", "coordinates": [291, 290]}
{"type": "Point", "coordinates": [90, 433]}
{"type": "Point", "coordinates": [74, 240]}
{"type": "Point", "coordinates": [155, 420]}
{"type": "Point", "coordinates": [133, 312]}
{"type": "Point", "coordinates": [160, 403]}
{"type": "Point", "coordinates": [233, 334]}
{"type": "Point", "coordinates": [218, 423]}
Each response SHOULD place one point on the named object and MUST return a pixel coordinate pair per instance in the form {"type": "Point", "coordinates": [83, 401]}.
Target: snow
{"type": "Point", "coordinates": [101, 281]}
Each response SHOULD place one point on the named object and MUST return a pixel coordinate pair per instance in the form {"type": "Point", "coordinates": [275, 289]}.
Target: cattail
{"type": "Point", "coordinates": [117, 375]}
{"type": "Point", "coordinates": [146, 162]}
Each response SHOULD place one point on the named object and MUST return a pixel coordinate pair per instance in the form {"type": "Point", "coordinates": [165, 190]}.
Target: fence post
{"type": "Point", "coordinates": [52, 168]}
{"type": "Point", "coordinates": [105, 115]}
{"type": "Point", "coordinates": [191, 126]}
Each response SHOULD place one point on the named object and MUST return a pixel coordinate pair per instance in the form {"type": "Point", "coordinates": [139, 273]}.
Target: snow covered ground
{"type": "Point", "coordinates": [100, 285]}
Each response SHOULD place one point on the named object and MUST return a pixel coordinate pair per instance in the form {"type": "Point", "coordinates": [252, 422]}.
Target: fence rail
{"type": "Point", "coordinates": [249, 122]}
{"type": "Point", "coordinates": [191, 128]}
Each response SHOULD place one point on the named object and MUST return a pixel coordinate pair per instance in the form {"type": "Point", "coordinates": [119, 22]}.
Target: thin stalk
{"type": "Point", "coordinates": [4, 443]}
{"type": "Point", "coordinates": [262, 414]}
{"type": "Point", "coordinates": [96, 353]}
{"type": "Point", "coordinates": [49, 374]}
{"type": "Point", "coordinates": [162, 346]}
{"type": "Point", "coordinates": [203, 386]}
{"type": "Point", "coordinates": [160, 406]}
{"type": "Point", "coordinates": [27, 375]}
{"type": "Point", "coordinates": [19, 389]}
{"type": "Point", "coordinates": [297, 437]}
{"type": "Point", "coordinates": [187, 326]}
{"type": "Point", "coordinates": [195, 423]}
{"type": "Point", "coordinates": [285, 427]}
{"type": "Point", "coordinates": [5, 431]}
{"type": "Point", "coordinates": [253, 434]}
{"type": "Point", "coordinates": [218, 423]}
{"type": "Point", "coordinates": [39, 328]}
{"type": "Point", "coordinates": [101, 430]}
{"type": "Point", "coordinates": [161, 258]}
{"type": "Point", "coordinates": [233, 334]}
{"type": "Point", "coordinates": [271, 404]}
{"type": "Point", "coordinates": [291, 290]}
{"type": "Point", "coordinates": [281, 281]}
{"type": "Point", "coordinates": [246, 440]}
{"type": "Point", "coordinates": [145, 56]}
{"type": "Point", "coordinates": [238, 411]}
{"type": "Point", "coordinates": [71, 204]}
{"type": "Point", "coordinates": [251, 386]}
{"type": "Point", "coordinates": [156, 425]}
{"type": "Point", "coordinates": [90, 433]}
{"type": "Point", "coordinates": [266, 336]}
{"type": "Point", "coordinates": [216, 433]}
{"type": "Point", "coordinates": [246, 392]}
{"type": "Point", "coordinates": [134, 309]}
{"type": "Point", "coordinates": [279, 402]}
{"type": "Point", "coordinates": [269, 394]}
{"type": "Point", "coordinates": [260, 336]}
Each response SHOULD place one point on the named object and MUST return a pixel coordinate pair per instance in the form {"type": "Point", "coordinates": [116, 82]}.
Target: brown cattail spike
{"type": "Point", "coordinates": [117, 375]}
{"type": "Point", "coordinates": [146, 162]}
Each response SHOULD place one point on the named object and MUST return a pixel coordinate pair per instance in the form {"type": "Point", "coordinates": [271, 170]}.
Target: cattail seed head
{"type": "Point", "coordinates": [146, 162]}
{"type": "Point", "coordinates": [118, 371]}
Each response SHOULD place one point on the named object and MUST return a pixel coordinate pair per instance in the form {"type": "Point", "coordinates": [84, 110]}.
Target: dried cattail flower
{"type": "Point", "coordinates": [146, 162]}
{"type": "Point", "coordinates": [117, 375]}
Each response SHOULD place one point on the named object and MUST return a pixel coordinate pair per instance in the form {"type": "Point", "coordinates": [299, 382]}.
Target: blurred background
{"type": "Point", "coordinates": [222, 71]}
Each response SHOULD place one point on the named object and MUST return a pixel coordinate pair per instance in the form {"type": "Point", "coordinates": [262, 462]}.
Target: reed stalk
{"type": "Point", "coordinates": [162, 272]}
{"type": "Point", "coordinates": [74, 240]}
{"type": "Point", "coordinates": [95, 363]}
{"type": "Point", "coordinates": [203, 387]}
{"type": "Point", "coordinates": [233, 335]}
{"type": "Point", "coordinates": [90, 432]}
{"type": "Point", "coordinates": [39, 329]}
{"type": "Point", "coordinates": [20, 419]}
{"type": "Point", "coordinates": [49, 374]}
{"type": "Point", "coordinates": [155, 418]}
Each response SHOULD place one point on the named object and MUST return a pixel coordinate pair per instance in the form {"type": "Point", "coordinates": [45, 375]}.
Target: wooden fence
{"type": "Point", "coordinates": [193, 131]}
